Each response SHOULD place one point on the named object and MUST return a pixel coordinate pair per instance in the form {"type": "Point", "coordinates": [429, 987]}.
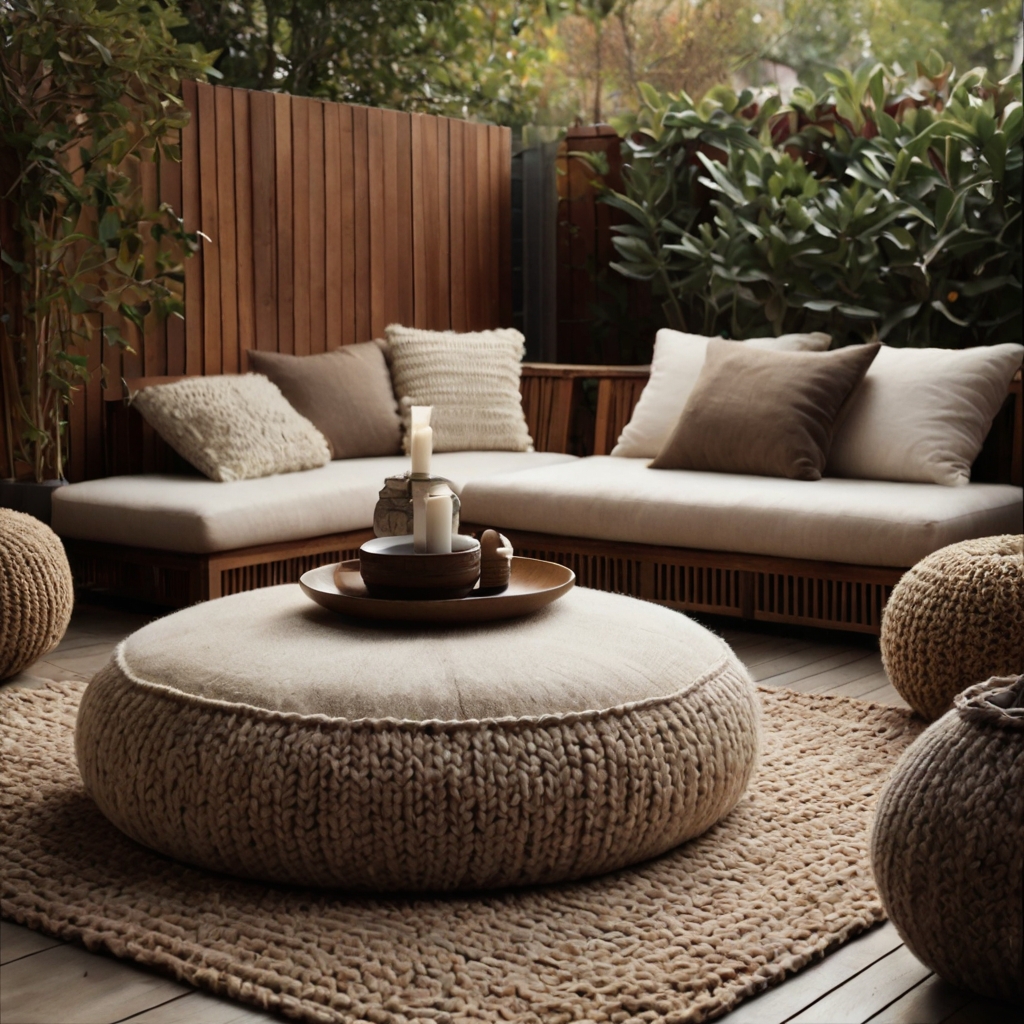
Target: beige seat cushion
{"type": "Point", "coordinates": [179, 513]}
{"type": "Point", "coordinates": [263, 736]}
{"type": "Point", "coordinates": [866, 522]}
{"type": "Point", "coordinates": [675, 367]}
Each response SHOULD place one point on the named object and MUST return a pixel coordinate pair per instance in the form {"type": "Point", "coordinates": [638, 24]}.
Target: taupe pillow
{"type": "Point", "coordinates": [471, 380]}
{"type": "Point", "coordinates": [764, 413]}
{"type": "Point", "coordinates": [346, 394]}
{"type": "Point", "coordinates": [232, 427]}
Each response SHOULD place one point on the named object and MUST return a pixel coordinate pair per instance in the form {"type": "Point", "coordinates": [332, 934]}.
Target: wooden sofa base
{"type": "Point", "coordinates": [177, 579]}
{"type": "Point", "coordinates": [830, 595]}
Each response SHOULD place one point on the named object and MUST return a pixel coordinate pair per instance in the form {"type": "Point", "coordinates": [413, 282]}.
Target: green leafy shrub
{"type": "Point", "coordinates": [88, 90]}
{"type": "Point", "coordinates": [889, 207]}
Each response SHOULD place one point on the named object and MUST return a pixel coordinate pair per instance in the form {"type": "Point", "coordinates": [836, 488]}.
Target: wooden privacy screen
{"type": "Point", "coordinates": [324, 223]}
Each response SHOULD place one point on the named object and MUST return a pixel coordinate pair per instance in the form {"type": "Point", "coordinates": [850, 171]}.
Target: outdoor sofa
{"type": "Point", "coordinates": [825, 553]}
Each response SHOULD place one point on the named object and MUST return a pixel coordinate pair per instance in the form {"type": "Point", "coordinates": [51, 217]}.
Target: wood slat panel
{"type": "Point", "coordinates": [246, 300]}
{"type": "Point", "coordinates": [322, 223]}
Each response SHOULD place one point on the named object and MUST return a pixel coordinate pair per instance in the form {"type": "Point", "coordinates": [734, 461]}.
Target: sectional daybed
{"type": "Point", "coordinates": [824, 552]}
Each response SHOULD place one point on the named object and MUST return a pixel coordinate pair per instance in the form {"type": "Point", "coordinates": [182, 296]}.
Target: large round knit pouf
{"type": "Point", "coordinates": [948, 842]}
{"type": "Point", "coordinates": [36, 591]}
{"type": "Point", "coordinates": [263, 736]}
{"type": "Point", "coordinates": [955, 618]}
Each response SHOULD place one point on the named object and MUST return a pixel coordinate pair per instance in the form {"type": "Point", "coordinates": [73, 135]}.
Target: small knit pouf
{"type": "Point", "coordinates": [36, 591]}
{"type": "Point", "coordinates": [260, 735]}
{"type": "Point", "coordinates": [948, 842]}
{"type": "Point", "coordinates": [955, 618]}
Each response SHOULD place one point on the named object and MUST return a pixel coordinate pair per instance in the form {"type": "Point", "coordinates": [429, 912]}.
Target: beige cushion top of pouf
{"type": "Point", "coordinates": [275, 649]}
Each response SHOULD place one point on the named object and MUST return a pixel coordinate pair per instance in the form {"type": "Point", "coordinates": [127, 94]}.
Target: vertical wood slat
{"type": "Point", "coordinates": [324, 222]}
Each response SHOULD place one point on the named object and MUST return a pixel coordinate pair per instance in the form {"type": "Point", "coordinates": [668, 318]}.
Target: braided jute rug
{"type": "Point", "coordinates": [783, 879]}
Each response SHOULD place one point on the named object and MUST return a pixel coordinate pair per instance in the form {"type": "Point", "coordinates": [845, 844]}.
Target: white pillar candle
{"type": "Point", "coordinates": [439, 524]}
{"type": "Point", "coordinates": [422, 446]}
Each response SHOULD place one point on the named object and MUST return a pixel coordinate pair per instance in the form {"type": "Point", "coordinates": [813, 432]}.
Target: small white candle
{"type": "Point", "coordinates": [439, 524]}
{"type": "Point", "coordinates": [422, 445]}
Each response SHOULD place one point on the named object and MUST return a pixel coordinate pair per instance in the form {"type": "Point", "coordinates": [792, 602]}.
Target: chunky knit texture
{"type": "Point", "coordinates": [471, 380]}
{"type": "Point", "coordinates": [381, 804]}
{"type": "Point", "coordinates": [233, 427]}
{"type": "Point", "coordinates": [783, 879]}
{"type": "Point", "coordinates": [948, 842]}
{"type": "Point", "coordinates": [955, 619]}
{"type": "Point", "coordinates": [36, 591]}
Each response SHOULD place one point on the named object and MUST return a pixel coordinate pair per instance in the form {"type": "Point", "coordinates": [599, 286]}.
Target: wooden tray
{"type": "Point", "coordinates": [533, 584]}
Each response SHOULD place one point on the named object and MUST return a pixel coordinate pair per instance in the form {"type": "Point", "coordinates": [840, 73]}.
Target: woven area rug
{"type": "Point", "coordinates": [782, 880]}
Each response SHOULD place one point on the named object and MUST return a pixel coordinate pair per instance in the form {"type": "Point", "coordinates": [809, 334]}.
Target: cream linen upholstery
{"type": "Point", "coordinates": [675, 367]}
{"type": "Point", "coordinates": [263, 736]}
{"type": "Point", "coordinates": [184, 513]}
{"type": "Point", "coordinates": [867, 522]}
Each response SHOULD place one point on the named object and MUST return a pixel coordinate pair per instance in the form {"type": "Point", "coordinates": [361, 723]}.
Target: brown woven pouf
{"type": "Point", "coordinates": [36, 591]}
{"type": "Point", "coordinates": [948, 842]}
{"type": "Point", "coordinates": [955, 618]}
{"type": "Point", "coordinates": [262, 736]}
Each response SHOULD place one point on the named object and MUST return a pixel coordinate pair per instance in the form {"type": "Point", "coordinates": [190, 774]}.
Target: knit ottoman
{"type": "Point", "coordinates": [948, 842]}
{"type": "Point", "coordinates": [263, 736]}
{"type": "Point", "coordinates": [36, 591]}
{"type": "Point", "coordinates": [955, 618]}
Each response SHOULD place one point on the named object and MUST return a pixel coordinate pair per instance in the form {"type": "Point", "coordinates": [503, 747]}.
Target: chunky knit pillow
{"type": "Point", "coordinates": [232, 427]}
{"type": "Point", "coordinates": [471, 380]}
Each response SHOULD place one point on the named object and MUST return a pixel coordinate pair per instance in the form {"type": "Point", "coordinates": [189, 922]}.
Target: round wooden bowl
{"type": "Point", "coordinates": [391, 568]}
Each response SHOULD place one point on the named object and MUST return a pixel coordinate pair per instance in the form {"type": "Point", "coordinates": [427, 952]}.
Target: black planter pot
{"type": "Point", "coordinates": [28, 496]}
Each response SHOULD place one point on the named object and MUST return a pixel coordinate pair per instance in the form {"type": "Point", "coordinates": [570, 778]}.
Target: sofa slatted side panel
{"type": "Point", "coordinates": [323, 223]}
{"type": "Point", "coordinates": [828, 595]}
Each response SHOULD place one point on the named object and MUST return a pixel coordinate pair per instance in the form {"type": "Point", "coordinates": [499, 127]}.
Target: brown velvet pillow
{"type": "Point", "coordinates": [764, 413]}
{"type": "Point", "coordinates": [345, 393]}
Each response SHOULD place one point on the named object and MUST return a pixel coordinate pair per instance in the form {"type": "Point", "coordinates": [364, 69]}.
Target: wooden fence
{"type": "Point", "coordinates": [324, 223]}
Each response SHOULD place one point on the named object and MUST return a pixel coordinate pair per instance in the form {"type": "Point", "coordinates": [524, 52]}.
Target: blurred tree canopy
{"type": "Point", "coordinates": [556, 61]}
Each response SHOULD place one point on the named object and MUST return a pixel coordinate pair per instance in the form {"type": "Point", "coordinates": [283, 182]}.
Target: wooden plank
{"type": "Point", "coordinates": [874, 989]}
{"type": "Point", "coordinates": [780, 1003]}
{"type": "Point", "coordinates": [470, 228]}
{"type": "Point", "coordinates": [170, 192]}
{"type": "Point", "coordinates": [262, 144]}
{"type": "Point", "coordinates": [424, 213]}
{"type": "Point", "coordinates": [931, 1002]}
{"type": "Point", "coordinates": [377, 225]}
{"type": "Point", "coordinates": [388, 314]}
{"type": "Point", "coordinates": [192, 214]}
{"type": "Point", "coordinates": [69, 985]}
{"type": "Point", "coordinates": [199, 1008]}
{"type": "Point", "coordinates": [361, 221]}
{"type": "Point", "coordinates": [300, 223]}
{"type": "Point", "coordinates": [402, 255]}
{"type": "Point", "coordinates": [285, 223]}
{"type": "Point", "coordinates": [809, 655]}
{"type": "Point", "coordinates": [851, 667]}
{"type": "Point", "coordinates": [333, 241]}
{"type": "Point", "coordinates": [784, 647]}
{"type": "Point", "coordinates": [154, 342]}
{"type": "Point", "coordinates": [317, 231]}
{"type": "Point", "coordinates": [457, 224]}
{"type": "Point", "coordinates": [212, 327]}
{"type": "Point", "coordinates": [349, 293]}
{"type": "Point", "coordinates": [17, 941]}
{"type": "Point", "coordinates": [246, 299]}
{"type": "Point", "coordinates": [95, 432]}
{"type": "Point", "coordinates": [484, 237]}
{"type": "Point", "coordinates": [227, 220]}
{"type": "Point", "coordinates": [441, 286]}
{"type": "Point", "coordinates": [505, 228]}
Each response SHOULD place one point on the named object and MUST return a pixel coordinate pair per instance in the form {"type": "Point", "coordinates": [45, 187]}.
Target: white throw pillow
{"type": "Point", "coordinates": [471, 380]}
{"type": "Point", "coordinates": [233, 427]}
{"type": "Point", "coordinates": [922, 414]}
{"type": "Point", "coordinates": [675, 367]}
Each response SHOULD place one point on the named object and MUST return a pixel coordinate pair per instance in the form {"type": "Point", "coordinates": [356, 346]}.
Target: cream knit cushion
{"type": "Point", "coordinates": [955, 618]}
{"type": "Point", "coordinates": [36, 591]}
{"type": "Point", "coordinates": [262, 736]}
{"type": "Point", "coordinates": [676, 365]}
{"type": "Point", "coordinates": [233, 427]}
{"type": "Point", "coordinates": [948, 842]}
{"type": "Point", "coordinates": [471, 380]}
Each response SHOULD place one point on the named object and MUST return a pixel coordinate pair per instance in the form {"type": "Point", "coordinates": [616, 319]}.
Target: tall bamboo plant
{"type": "Point", "coordinates": [88, 90]}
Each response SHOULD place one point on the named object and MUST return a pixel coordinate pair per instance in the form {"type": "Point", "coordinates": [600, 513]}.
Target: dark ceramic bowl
{"type": "Point", "coordinates": [391, 568]}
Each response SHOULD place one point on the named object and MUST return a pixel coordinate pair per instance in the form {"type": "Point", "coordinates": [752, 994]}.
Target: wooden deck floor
{"type": "Point", "coordinates": [874, 978]}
